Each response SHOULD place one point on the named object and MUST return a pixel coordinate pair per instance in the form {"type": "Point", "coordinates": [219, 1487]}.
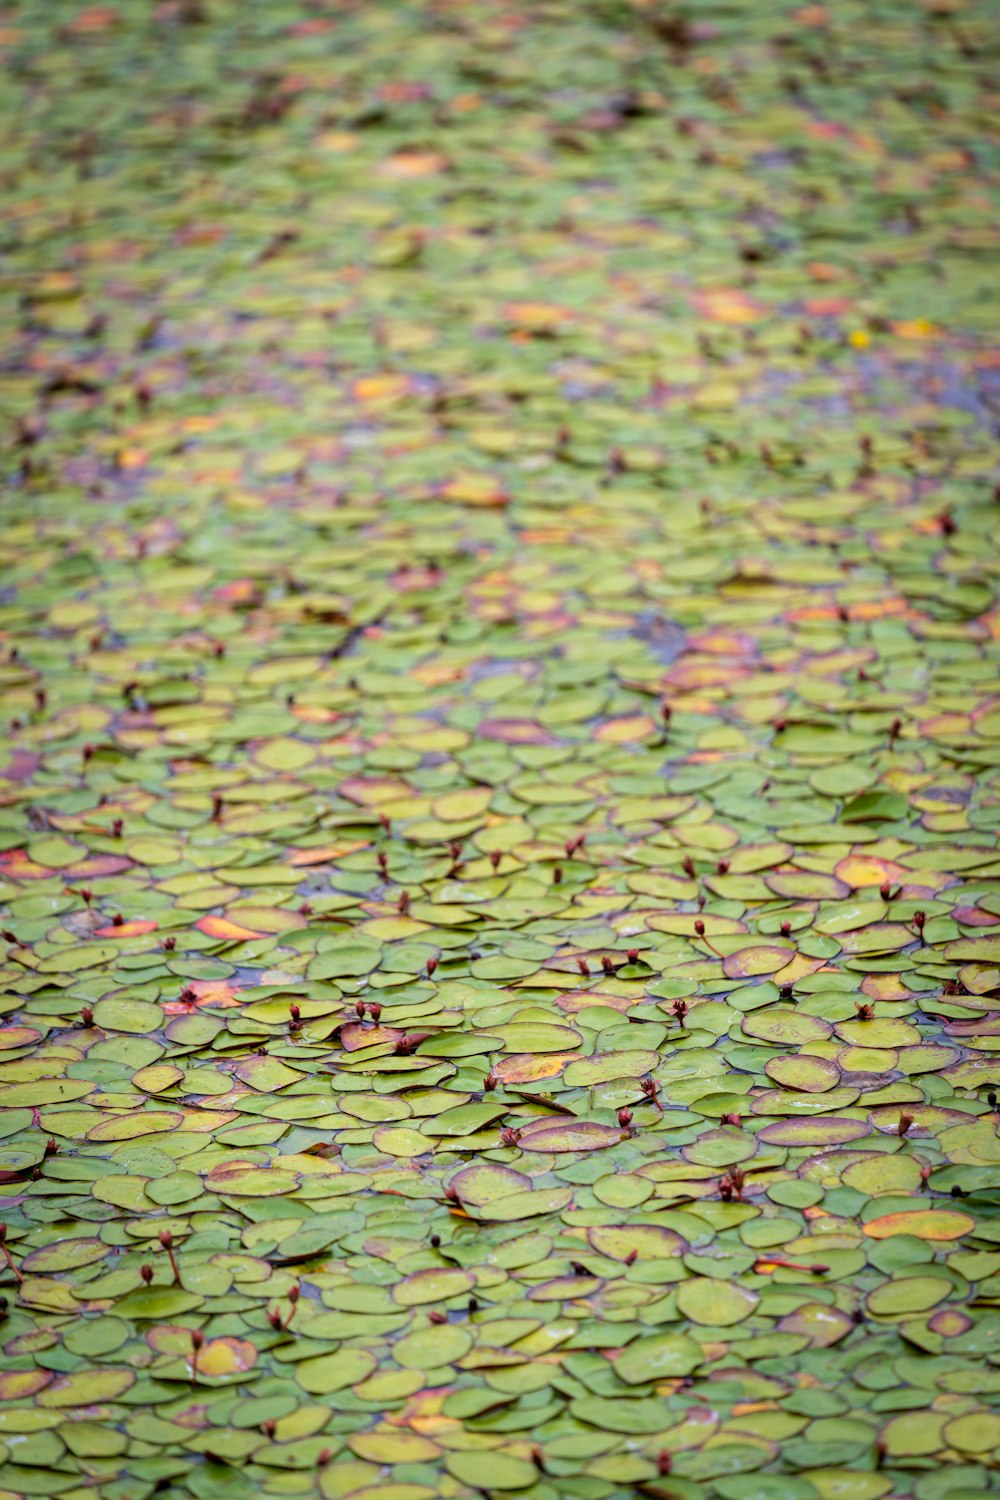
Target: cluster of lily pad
{"type": "Point", "coordinates": [498, 863]}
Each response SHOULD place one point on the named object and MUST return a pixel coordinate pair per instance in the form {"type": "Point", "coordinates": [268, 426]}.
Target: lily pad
{"type": "Point", "coordinates": [664, 1356]}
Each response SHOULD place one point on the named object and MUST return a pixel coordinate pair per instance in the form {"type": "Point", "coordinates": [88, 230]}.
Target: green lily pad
{"type": "Point", "coordinates": [663, 1356]}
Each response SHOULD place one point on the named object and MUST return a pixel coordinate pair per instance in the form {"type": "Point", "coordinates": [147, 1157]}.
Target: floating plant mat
{"type": "Point", "coordinates": [498, 802]}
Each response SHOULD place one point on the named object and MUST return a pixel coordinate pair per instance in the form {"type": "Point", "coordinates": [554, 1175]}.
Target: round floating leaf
{"type": "Point", "coordinates": [849, 1484]}
{"type": "Point", "coordinates": [922, 1223]}
{"type": "Point", "coordinates": [777, 1102]}
{"type": "Point", "coordinates": [398, 1140]}
{"type": "Point", "coordinates": [158, 1302]}
{"type": "Point", "coordinates": [86, 1388]}
{"type": "Point", "coordinates": [974, 1432]}
{"type": "Point", "coordinates": [585, 1135]}
{"type": "Point", "coordinates": [629, 1417]}
{"type": "Point", "coordinates": [76, 957]}
{"type": "Point", "coordinates": [830, 1130]}
{"type": "Point", "coordinates": [720, 1148]}
{"type": "Point", "coordinates": [328, 1373]}
{"type": "Point", "coordinates": [393, 1445]}
{"type": "Point", "coordinates": [64, 1255]}
{"type": "Point", "coordinates": [907, 1295]}
{"type": "Point", "coordinates": [765, 1487]}
{"type": "Point", "coordinates": [526, 1067]}
{"type": "Point", "coordinates": [810, 1074]}
{"type": "Point", "coordinates": [622, 1191]}
{"type": "Point", "coordinates": [601, 1066]}
{"type": "Point", "coordinates": [643, 1241]}
{"type": "Point", "coordinates": [432, 1348]}
{"type": "Point", "coordinates": [715, 1303]}
{"type": "Point", "coordinates": [786, 1028]}
{"type": "Point", "coordinates": [534, 1036]}
{"type": "Point", "coordinates": [913, 1435]}
{"type": "Point", "coordinates": [878, 1175]}
{"type": "Point", "coordinates": [491, 1470]}
{"type": "Point", "coordinates": [483, 1182]}
{"type": "Point", "coordinates": [525, 1205]}
{"type": "Point", "coordinates": [116, 1013]}
{"type": "Point", "coordinates": [756, 959]}
{"type": "Point", "coordinates": [822, 1324]}
{"type": "Point", "coordinates": [432, 1285]}
{"type": "Point", "coordinates": [20, 1385]}
{"type": "Point", "coordinates": [226, 1356]}
{"type": "Point", "coordinates": [878, 1033]}
{"type": "Point", "coordinates": [663, 1356]}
